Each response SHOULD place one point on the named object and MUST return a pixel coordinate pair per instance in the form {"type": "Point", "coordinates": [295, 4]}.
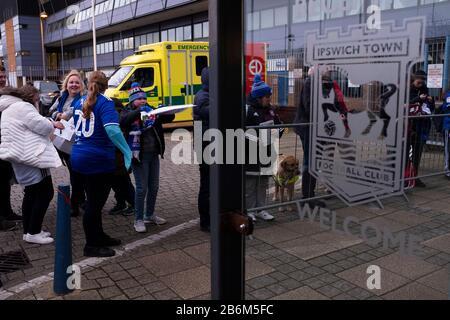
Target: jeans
{"type": "Point", "coordinates": [308, 181]}
{"type": "Point", "coordinates": [35, 203]}
{"type": "Point", "coordinates": [98, 187]}
{"type": "Point", "coordinates": [6, 173]}
{"type": "Point", "coordinates": [255, 190]}
{"type": "Point", "coordinates": [446, 152]}
{"type": "Point", "coordinates": [146, 175]}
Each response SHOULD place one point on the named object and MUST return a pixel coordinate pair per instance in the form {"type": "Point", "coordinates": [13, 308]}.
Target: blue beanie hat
{"type": "Point", "coordinates": [136, 92]}
{"type": "Point", "coordinates": [260, 88]}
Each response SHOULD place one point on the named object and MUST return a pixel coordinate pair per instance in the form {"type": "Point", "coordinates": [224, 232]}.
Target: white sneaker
{"type": "Point", "coordinates": [264, 215]}
{"type": "Point", "coordinates": [38, 238]}
{"type": "Point", "coordinates": [251, 215]}
{"type": "Point", "coordinates": [139, 226]}
{"type": "Point", "coordinates": [154, 219]}
{"type": "Point", "coordinates": [45, 234]}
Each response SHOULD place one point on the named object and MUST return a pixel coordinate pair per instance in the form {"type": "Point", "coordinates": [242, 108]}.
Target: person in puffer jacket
{"type": "Point", "coordinates": [26, 144]}
{"type": "Point", "coordinates": [446, 132]}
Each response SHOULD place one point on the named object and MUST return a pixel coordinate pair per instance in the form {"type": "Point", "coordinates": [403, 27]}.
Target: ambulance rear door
{"type": "Point", "coordinates": [178, 83]}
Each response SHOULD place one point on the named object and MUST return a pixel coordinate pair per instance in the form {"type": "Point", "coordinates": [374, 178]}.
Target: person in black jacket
{"type": "Point", "coordinates": [201, 113]}
{"type": "Point", "coordinates": [423, 104]}
{"type": "Point", "coordinates": [145, 164]}
{"type": "Point", "coordinates": [121, 185]}
{"type": "Point", "coordinates": [259, 111]}
{"type": "Point", "coordinates": [303, 116]}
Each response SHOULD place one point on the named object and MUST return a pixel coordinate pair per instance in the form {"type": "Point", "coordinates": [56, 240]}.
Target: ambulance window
{"type": "Point", "coordinates": [201, 62]}
{"type": "Point", "coordinates": [144, 76]}
{"type": "Point", "coordinates": [118, 76]}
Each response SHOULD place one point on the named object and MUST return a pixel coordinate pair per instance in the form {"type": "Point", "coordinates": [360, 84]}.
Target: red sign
{"type": "Point", "coordinates": [255, 62]}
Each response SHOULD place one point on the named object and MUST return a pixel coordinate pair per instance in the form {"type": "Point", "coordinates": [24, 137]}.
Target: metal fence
{"type": "Point", "coordinates": [286, 71]}
{"type": "Point", "coordinates": [432, 161]}
{"type": "Point", "coordinates": [19, 76]}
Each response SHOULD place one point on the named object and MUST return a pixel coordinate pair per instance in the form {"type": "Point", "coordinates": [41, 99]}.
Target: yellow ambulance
{"type": "Point", "coordinates": [169, 72]}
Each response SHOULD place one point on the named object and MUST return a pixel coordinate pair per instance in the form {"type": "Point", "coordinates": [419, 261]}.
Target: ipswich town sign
{"type": "Point", "coordinates": [359, 96]}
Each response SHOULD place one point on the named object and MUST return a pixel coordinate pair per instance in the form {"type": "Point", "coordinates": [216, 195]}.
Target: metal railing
{"type": "Point", "coordinates": [431, 163]}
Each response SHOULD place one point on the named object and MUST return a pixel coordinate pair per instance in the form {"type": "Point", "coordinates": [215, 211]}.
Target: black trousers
{"type": "Point", "coordinates": [35, 204]}
{"type": "Point", "coordinates": [308, 181]}
{"type": "Point", "coordinates": [76, 181]}
{"type": "Point", "coordinates": [203, 196]}
{"type": "Point", "coordinates": [123, 189]}
{"type": "Point", "coordinates": [417, 144]}
{"type": "Point", "coordinates": [6, 173]}
{"type": "Point", "coordinates": [98, 187]}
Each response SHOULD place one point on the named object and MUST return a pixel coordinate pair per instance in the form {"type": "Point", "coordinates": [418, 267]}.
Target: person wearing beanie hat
{"type": "Point", "coordinates": [146, 138]}
{"type": "Point", "coordinates": [136, 92]}
{"type": "Point", "coordinates": [259, 110]}
{"type": "Point", "coordinates": [260, 88]}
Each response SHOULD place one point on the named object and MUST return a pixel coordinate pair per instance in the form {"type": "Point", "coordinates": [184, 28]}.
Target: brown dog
{"type": "Point", "coordinates": [287, 175]}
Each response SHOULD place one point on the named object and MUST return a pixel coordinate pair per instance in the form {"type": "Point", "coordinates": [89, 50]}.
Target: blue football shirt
{"type": "Point", "coordinates": [93, 151]}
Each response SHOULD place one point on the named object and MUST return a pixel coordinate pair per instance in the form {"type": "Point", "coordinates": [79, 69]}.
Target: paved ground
{"type": "Point", "coordinates": [286, 259]}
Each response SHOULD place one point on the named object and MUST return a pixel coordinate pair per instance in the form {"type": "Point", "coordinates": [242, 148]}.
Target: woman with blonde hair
{"type": "Point", "coordinates": [26, 144]}
{"type": "Point", "coordinates": [93, 157]}
{"type": "Point", "coordinates": [72, 90]}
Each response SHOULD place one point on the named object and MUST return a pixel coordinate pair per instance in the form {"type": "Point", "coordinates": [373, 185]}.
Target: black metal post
{"type": "Point", "coordinates": [226, 112]}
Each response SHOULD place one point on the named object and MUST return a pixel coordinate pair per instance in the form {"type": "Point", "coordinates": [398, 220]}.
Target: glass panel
{"type": "Point", "coordinates": [155, 37]}
{"type": "Point", "coordinates": [398, 4]}
{"type": "Point", "coordinates": [267, 18]}
{"type": "Point", "coordinates": [171, 35]}
{"type": "Point", "coordinates": [164, 35]}
{"type": "Point", "coordinates": [187, 33]}
{"type": "Point", "coordinates": [118, 76]}
{"type": "Point", "coordinates": [344, 122]}
{"type": "Point", "coordinates": [201, 62]}
{"type": "Point", "coordinates": [281, 16]}
{"type": "Point", "coordinates": [179, 34]}
{"type": "Point", "coordinates": [198, 31]}
{"type": "Point", "coordinates": [205, 29]}
{"type": "Point", "coordinates": [143, 76]}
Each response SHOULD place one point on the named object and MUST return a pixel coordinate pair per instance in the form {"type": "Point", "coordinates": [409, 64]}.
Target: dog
{"type": "Point", "coordinates": [287, 175]}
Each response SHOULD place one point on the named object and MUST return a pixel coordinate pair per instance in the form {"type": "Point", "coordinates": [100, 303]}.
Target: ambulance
{"type": "Point", "coordinates": [170, 73]}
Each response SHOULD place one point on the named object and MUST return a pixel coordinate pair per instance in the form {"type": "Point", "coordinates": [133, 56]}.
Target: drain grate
{"type": "Point", "coordinates": [13, 261]}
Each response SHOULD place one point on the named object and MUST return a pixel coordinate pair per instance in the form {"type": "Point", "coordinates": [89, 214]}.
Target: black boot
{"type": "Point", "coordinates": [13, 217]}
{"type": "Point", "coordinates": [108, 241]}
{"type": "Point", "coordinates": [6, 225]}
{"type": "Point", "coordinates": [90, 251]}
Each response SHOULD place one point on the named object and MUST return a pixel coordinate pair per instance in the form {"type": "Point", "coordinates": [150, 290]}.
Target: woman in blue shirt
{"type": "Point", "coordinates": [93, 157]}
{"type": "Point", "coordinates": [72, 90]}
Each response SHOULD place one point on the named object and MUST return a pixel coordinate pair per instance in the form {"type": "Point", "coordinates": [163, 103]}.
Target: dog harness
{"type": "Point", "coordinates": [285, 181]}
